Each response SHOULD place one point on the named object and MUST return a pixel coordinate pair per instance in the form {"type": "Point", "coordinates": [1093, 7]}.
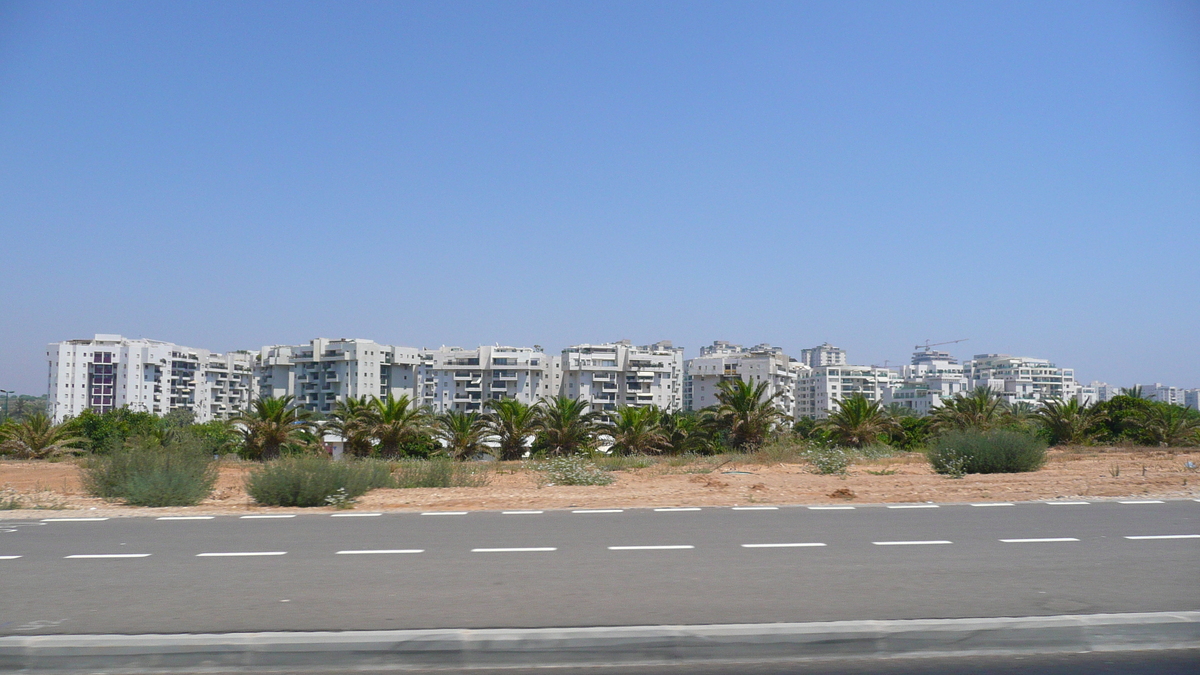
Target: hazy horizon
{"type": "Point", "coordinates": [231, 175]}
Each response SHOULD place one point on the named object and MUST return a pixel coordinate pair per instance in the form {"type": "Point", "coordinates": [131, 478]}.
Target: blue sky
{"type": "Point", "coordinates": [228, 175]}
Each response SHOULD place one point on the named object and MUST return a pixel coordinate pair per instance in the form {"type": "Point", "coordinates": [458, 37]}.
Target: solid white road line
{"type": "Point", "coordinates": [239, 554]}
{"type": "Point", "coordinates": [608, 510]}
{"type": "Point", "coordinates": [807, 545]}
{"type": "Point", "coordinates": [995, 504]}
{"type": "Point", "coordinates": [520, 513]}
{"type": "Point", "coordinates": [1143, 501]}
{"type": "Point", "coordinates": [1166, 536]}
{"type": "Point", "coordinates": [648, 548]}
{"type": "Point", "coordinates": [831, 508]}
{"type": "Point", "coordinates": [680, 508]}
{"type": "Point", "coordinates": [71, 520]}
{"type": "Point", "coordinates": [514, 550]}
{"type": "Point", "coordinates": [1044, 540]}
{"type": "Point", "coordinates": [270, 515]}
{"type": "Point", "coordinates": [184, 518]}
{"type": "Point", "coordinates": [382, 550]}
{"type": "Point", "coordinates": [756, 508]}
{"type": "Point", "coordinates": [911, 543]}
{"type": "Point", "coordinates": [108, 555]}
{"type": "Point", "coordinates": [912, 506]}
{"type": "Point", "coordinates": [1066, 503]}
{"type": "Point", "coordinates": [9, 557]}
{"type": "Point", "coordinates": [444, 513]}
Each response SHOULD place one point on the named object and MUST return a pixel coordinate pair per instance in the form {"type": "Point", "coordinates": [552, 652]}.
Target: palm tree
{"type": "Point", "coordinates": [396, 421]}
{"type": "Point", "coordinates": [38, 437]}
{"type": "Point", "coordinates": [271, 423]}
{"type": "Point", "coordinates": [1133, 392]}
{"type": "Point", "coordinates": [981, 408]}
{"type": "Point", "coordinates": [1069, 423]}
{"type": "Point", "coordinates": [511, 424]}
{"type": "Point", "coordinates": [351, 419]}
{"type": "Point", "coordinates": [746, 412]}
{"type": "Point", "coordinates": [564, 425]}
{"type": "Point", "coordinates": [858, 421]}
{"type": "Point", "coordinates": [1168, 425]}
{"type": "Point", "coordinates": [463, 433]}
{"type": "Point", "coordinates": [637, 431]}
{"type": "Point", "coordinates": [684, 432]}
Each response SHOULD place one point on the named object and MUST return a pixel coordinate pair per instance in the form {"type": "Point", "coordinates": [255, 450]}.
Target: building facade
{"type": "Point", "coordinates": [722, 361]}
{"type": "Point", "coordinates": [326, 371]}
{"type": "Point", "coordinates": [1020, 379]}
{"type": "Point", "coordinates": [452, 378]}
{"type": "Point", "coordinates": [820, 389]}
{"type": "Point", "coordinates": [931, 378]}
{"type": "Point", "coordinates": [618, 374]}
{"type": "Point", "coordinates": [110, 371]}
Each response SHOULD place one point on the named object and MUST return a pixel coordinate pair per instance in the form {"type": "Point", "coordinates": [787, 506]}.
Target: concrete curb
{"type": "Point", "coordinates": [622, 645]}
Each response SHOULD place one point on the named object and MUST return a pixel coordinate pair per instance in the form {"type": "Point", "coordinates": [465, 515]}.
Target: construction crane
{"type": "Point", "coordinates": [929, 344]}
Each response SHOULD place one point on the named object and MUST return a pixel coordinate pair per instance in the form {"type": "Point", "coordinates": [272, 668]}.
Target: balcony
{"type": "Point", "coordinates": [465, 375]}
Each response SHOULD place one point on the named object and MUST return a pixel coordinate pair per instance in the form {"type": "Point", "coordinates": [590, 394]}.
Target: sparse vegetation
{"type": "Point", "coordinates": [574, 470]}
{"type": "Point", "coordinates": [308, 480]}
{"type": "Point", "coordinates": [439, 472]}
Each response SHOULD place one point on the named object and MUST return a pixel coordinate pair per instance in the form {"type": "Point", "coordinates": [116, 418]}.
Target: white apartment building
{"type": "Point", "coordinates": [110, 371]}
{"type": "Point", "coordinates": [326, 371]}
{"type": "Point", "coordinates": [453, 378]}
{"type": "Point", "coordinates": [1101, 391]}
{"type": "Point", "coordinates": [618, 374]}
{"type": "Point", "coordinates": [933, 377]}
{"type": "Point", "coordinates": [823, 355]}
{"type": "Point", "coordinates": [1163, 394]}
{"type": "Point", "coordinates": [1191, 398]}
{"type": "Point", "coordinates": [723, 361]}
{"type": "Point", "coordinates": [1021, 379]}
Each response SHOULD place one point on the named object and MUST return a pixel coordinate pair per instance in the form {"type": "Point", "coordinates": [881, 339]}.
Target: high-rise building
{"type": "Point", "coordinates": [823, 355]}
{"type": "Point", "coordinates": [933, 377]}
{"type": "Point", "coordinates": [618, 374]}
{"type": "Point", "coordinates": [452, 378]}
{"type": "Point", "coordinates": [326, 371]}
{"type": "Point", "coordinates": [110, 371]}
{"type": "Point", "coordinates": [1020, 379]}
{"type": "Point", "coordinates": [722, 361]}
{"type": "Point", "coordinates": [1163, 393]}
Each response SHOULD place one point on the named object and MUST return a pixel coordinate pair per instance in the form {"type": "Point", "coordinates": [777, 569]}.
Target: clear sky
{"type": "Point", "coordinates": [232, 174]}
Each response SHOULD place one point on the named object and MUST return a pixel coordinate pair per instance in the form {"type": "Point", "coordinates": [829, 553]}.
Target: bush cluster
{"type": "Point", "coordinates": [574, 470]}
{"type": "Point", "coordinates": [145, 474]}
{"type": "Point", "coordinates": [994, 451]}
{"type": "Point", "coordinates": [829, 460]}
{"type": "Point", "coordinates": [308, 480]}
{"type": "Point", "coordinates": [439, 472]}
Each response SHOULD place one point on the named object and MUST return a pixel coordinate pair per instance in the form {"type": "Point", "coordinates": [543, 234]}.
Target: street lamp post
{"type": "Point", "coordinates": [6, 393]}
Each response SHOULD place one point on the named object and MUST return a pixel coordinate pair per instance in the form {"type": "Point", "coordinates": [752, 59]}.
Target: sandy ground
{"type": "Point", "coordinates": [53, 489]}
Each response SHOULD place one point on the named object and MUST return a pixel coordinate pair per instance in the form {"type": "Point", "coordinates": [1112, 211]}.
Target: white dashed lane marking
{"type": "Point", "coordinates": [535, 549]}
{"type": "Point", "coordinates": [649, 548]}
{"type": "Point", "coordinates": [354, 515]}
{"type": "Point", "coordinates": [911, 543]}
{"type": "Point", "coordinates": [599, 511]}
{"type": "Point", "coordinates": [1143, 501]}
{"type": "Point", "coordinates": [269, 515]}
{"type": "Point", "coordinates": [680, 508]}
{"type": "Point", "coordinates": [756, 508]}
{"type": "Point", "coordinates": [101, 556]}
{"type": "Point", "coordinates": [1166, 536]}
{"type": "Point", "coordinates": [444, 513]}
{"type": "Point", "coordinates": [831, 508]}
{"type": "Point", "coordinates": [9, 557]}
{"type": "Point", "coordinates": [521, 513]}
{"type": "Point", "coordinates": [239, 554]}
{"type": "Point", "coordinates": [798, 545]}
{"type": "Point", "coordinates": [382, 551]}
{"type": "Point", "coordinates": [71, 520]}
{"type": "Point", "coordinates": [184, 518]}
{"type": "Point", "coordinates": [1044, 540]}
{"type": "Point", "coordinates": [913, 506]}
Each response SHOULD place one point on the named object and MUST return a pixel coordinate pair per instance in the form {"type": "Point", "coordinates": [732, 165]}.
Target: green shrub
{"type": "Point", "coordinates": [781, 451]}
{"type": "Point", "coordinates": [574, 470]}
{"type": "Point", "coordinates": [621, 462]}
{"type": "Point", "coordinates": [439, 472]}
{"type": "Point", "coordinates": [829, 460]}
{"type": "Point", "coordinates": [308, 480]}
{"type": "Point", "coordinates": [145, 474]}
{"type": "Point", "coordinates": [994, 451]}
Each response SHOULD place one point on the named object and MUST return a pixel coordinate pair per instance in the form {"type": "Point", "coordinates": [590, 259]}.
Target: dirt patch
{"type": "Point", "coordinates": [1092, 473]}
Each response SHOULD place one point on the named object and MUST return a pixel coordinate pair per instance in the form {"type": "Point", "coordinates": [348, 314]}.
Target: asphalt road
{"type": "Point", "coordinates": [714, 565]}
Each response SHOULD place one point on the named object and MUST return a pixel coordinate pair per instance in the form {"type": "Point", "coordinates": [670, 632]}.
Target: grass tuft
{"type": "Point", "coordinates": [310, 480]}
